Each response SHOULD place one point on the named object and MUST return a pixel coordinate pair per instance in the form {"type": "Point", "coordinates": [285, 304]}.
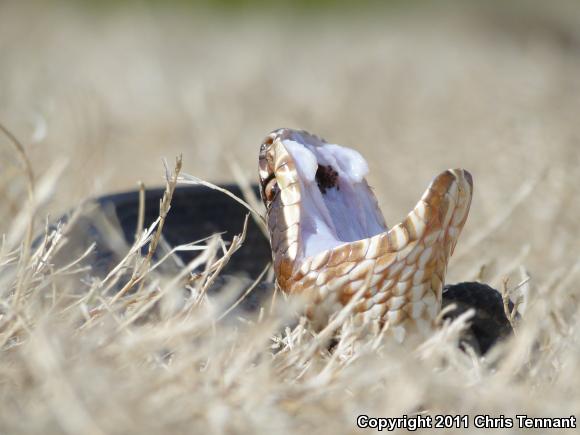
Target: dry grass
{"type": "Point", "coordinates": [494, 92]}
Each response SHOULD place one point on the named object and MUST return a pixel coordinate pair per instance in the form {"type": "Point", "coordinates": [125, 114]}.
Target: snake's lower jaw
{"type": "Point", "coordinates": [329, 237]}
{"type": "Point", "coordinates": [402, 270]}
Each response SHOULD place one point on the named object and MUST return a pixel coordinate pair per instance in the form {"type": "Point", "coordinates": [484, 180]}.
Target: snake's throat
{"type": "Point", "coordinates": [337, 205]}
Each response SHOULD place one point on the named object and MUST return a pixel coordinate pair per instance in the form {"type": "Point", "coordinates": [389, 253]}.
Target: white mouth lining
{"type": "Point", "coordinates": [347, 211]}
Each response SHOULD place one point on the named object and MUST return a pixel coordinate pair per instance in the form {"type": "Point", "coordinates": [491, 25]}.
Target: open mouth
{"type": "Point", "coordinates": [337, 204]}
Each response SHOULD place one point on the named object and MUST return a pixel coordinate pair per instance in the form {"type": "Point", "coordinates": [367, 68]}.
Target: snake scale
{"type": "Point", "coordinates": [328, 239]}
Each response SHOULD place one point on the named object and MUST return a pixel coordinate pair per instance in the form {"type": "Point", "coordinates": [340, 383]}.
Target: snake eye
{"type": "Point", "coordinates": [271, 190]}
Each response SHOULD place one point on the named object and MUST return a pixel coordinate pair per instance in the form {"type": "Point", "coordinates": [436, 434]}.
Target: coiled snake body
{"type": "Point", "coordinates": [328, 238]}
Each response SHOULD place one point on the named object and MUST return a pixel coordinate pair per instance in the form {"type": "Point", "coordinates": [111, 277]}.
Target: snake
{"type": "Point", "coordinates": [327, 240]}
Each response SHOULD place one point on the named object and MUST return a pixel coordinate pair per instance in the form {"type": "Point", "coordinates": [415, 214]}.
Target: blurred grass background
{"type": "Point", "coordinates": [111, 88]}
{"type": "Point", "coordinates": [105, 90]}
{"type": "Point", "coordinates": [298, 6]}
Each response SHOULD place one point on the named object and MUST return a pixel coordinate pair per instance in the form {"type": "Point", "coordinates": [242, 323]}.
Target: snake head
{"type": "Point", "coordinates": [329, 237]}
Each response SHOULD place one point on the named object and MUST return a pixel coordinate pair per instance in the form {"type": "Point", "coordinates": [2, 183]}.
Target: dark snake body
{"type": "Point", "coordinates": [197, 212]}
